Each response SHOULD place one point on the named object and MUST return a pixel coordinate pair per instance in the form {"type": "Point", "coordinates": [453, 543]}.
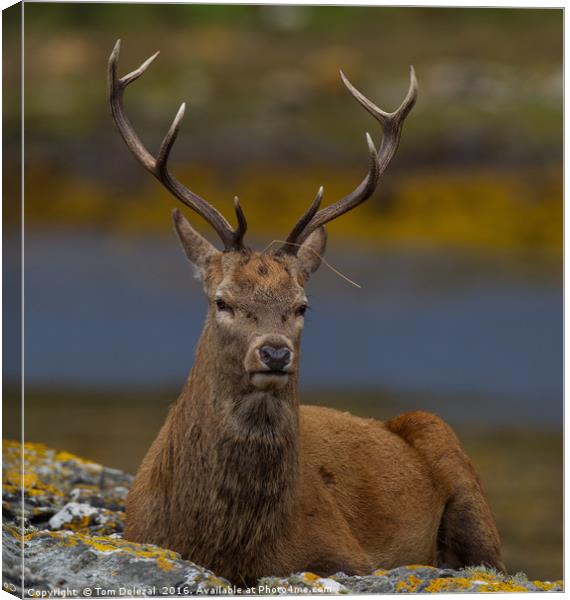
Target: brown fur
{"type": "Point", "coordinates": [243, 480]}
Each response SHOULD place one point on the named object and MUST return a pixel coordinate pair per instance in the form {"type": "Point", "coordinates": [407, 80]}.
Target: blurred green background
{"type": "Point", "coordinates": [459, 253]}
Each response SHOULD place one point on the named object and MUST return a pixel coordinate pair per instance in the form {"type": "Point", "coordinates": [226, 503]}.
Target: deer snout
{"type": "Point", "coordinates": [270, 361]}
{"type": "Point", "coordinates": [275, 358]}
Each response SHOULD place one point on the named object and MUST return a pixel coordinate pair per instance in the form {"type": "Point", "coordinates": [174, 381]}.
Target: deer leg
{"type": "Point", "coordinates": [467, 534]}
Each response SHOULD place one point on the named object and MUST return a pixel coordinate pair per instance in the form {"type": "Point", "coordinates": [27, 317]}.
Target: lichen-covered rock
{"type": "Point", "coordinates": [421, 578]}
{"type": "Point", "coordinates": [71, 560]}
{"type": "Point", "coordinates": [72, 518]}
{"type": "Point", "coordinates": [409, 579]}
{"type": "Point", "coordinates": [78, 517]}
{"type": "Point", "coordinates": [67, 516]}
{"type": "Point", "coordinates": [52, 479]}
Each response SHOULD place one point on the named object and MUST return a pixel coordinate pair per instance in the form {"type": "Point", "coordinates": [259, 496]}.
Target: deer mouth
{"type": "Point", "coordinates": [269, 379]}
{"type": "Point", "coordinates": [271, 372]}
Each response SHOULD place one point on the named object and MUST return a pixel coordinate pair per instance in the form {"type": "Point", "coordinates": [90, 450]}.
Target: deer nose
{"type": "Point", "coordinates": [276, 359]}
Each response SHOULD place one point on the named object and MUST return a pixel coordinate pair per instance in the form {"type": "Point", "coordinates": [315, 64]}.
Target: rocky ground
{"type": "Point", "coordinates": [70, 522]}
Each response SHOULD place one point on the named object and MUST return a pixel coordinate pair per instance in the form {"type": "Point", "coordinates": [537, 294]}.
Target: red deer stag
{"type": "Point", "coordinates": [242, 478]}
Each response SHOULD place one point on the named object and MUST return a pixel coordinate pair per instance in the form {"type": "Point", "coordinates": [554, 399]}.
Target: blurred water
{"type": "Point", "coordinates": [106, 311]}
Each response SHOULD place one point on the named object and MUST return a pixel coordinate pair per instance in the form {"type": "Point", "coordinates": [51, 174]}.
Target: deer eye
{"type": "Point", "coordinates": [222, 305]}
{"type": "Point", "coordinates": [301, 310]}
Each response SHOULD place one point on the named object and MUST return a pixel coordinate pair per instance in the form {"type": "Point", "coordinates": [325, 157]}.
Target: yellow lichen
{"type": "Point", "coordinates": [107, 545]}
{"type": "Point", "coordinates": [409, 585]}
{"type": "Point", "coordinates": [414, 582]}
{"type": "Point", "coordinates": [477, 574]}
{"type": "Point", "coordinates": [14, 445]}
{"type": "Point", "coordinates": [64, 456]}
{"type": "Point", "coordinates": [462, 583]}
{"type": "Point", "coordinates": [78, 524]}
{"type": "Point", "coordinates": [310, 577]}
{"type": "Point", "coordinates": [14, 481]}
{"type": "Point", "coordinates": [14, 451]}
{"type": "Point", "coordinates": [447, 584]}
{"type": "Point", "coordinates": [63, 537]}
{"type": "Point", "coordinates": [547, 585]}
{"type": "Point", "coordinates": [379, 572]}
{"type": "Point", "coordinates": [164, 564]}
{"type": "Point", "coordinates": [13, 531]}
{"type": "Point", "coordinates": [22, 461]}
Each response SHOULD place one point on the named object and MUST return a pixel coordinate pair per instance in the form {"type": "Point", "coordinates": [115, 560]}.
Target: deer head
{"type": "Point", "coordinates": [256, 300]}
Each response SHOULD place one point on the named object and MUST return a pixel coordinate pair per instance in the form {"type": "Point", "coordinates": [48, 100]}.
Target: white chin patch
{"type": "Point", "coordinates": [266, 381]}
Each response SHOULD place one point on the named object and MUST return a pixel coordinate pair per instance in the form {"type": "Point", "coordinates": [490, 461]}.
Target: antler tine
{"type": "Point", "coordinates": [116, 88]}
{"type": "Point", "coordinates": [301, 231]}
{"type": "Point", "coordinates": [385, 118]}
{"type": "Point", "coordinates": [168, 141]}
{"type": "Point", "coordinates": [305, 219]}
{"type": "Point", "coordinates": [302, 223]}
{"type": "Point", "coordinates": [239, 231]}
{"type": "Point", "coordinates": [391, 124]}
{"type": "Point", "coordinates": [134, 75]}
{"type": "Point", "coordinates": [232, 239]}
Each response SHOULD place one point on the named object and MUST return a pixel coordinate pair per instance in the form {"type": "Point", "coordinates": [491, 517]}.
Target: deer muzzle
{"type": "Point", "coordinates": [269, 361]}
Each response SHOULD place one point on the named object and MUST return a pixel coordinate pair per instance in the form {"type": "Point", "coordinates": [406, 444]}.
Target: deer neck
{"type": "Point", "coordinates": [249, 440]}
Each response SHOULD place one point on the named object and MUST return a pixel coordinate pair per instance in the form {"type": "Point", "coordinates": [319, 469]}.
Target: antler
{"type": "Point", "coordinates": [231, 238]}
{"type": "Point", "coordinates": [391, 124]}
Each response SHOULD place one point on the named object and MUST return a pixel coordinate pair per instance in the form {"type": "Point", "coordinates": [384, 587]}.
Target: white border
{"type": "Point", "coordinates": [403, 3]}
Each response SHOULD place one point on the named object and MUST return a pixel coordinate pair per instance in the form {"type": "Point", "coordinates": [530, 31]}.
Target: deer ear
{"type": "Point", "coordinates": [196, 247]}
{"type": "Point", "coordinates": [312, 251]}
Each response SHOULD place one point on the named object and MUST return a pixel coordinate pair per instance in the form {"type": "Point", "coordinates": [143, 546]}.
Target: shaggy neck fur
{"type": "Point", "coordinates": [233, 453]}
